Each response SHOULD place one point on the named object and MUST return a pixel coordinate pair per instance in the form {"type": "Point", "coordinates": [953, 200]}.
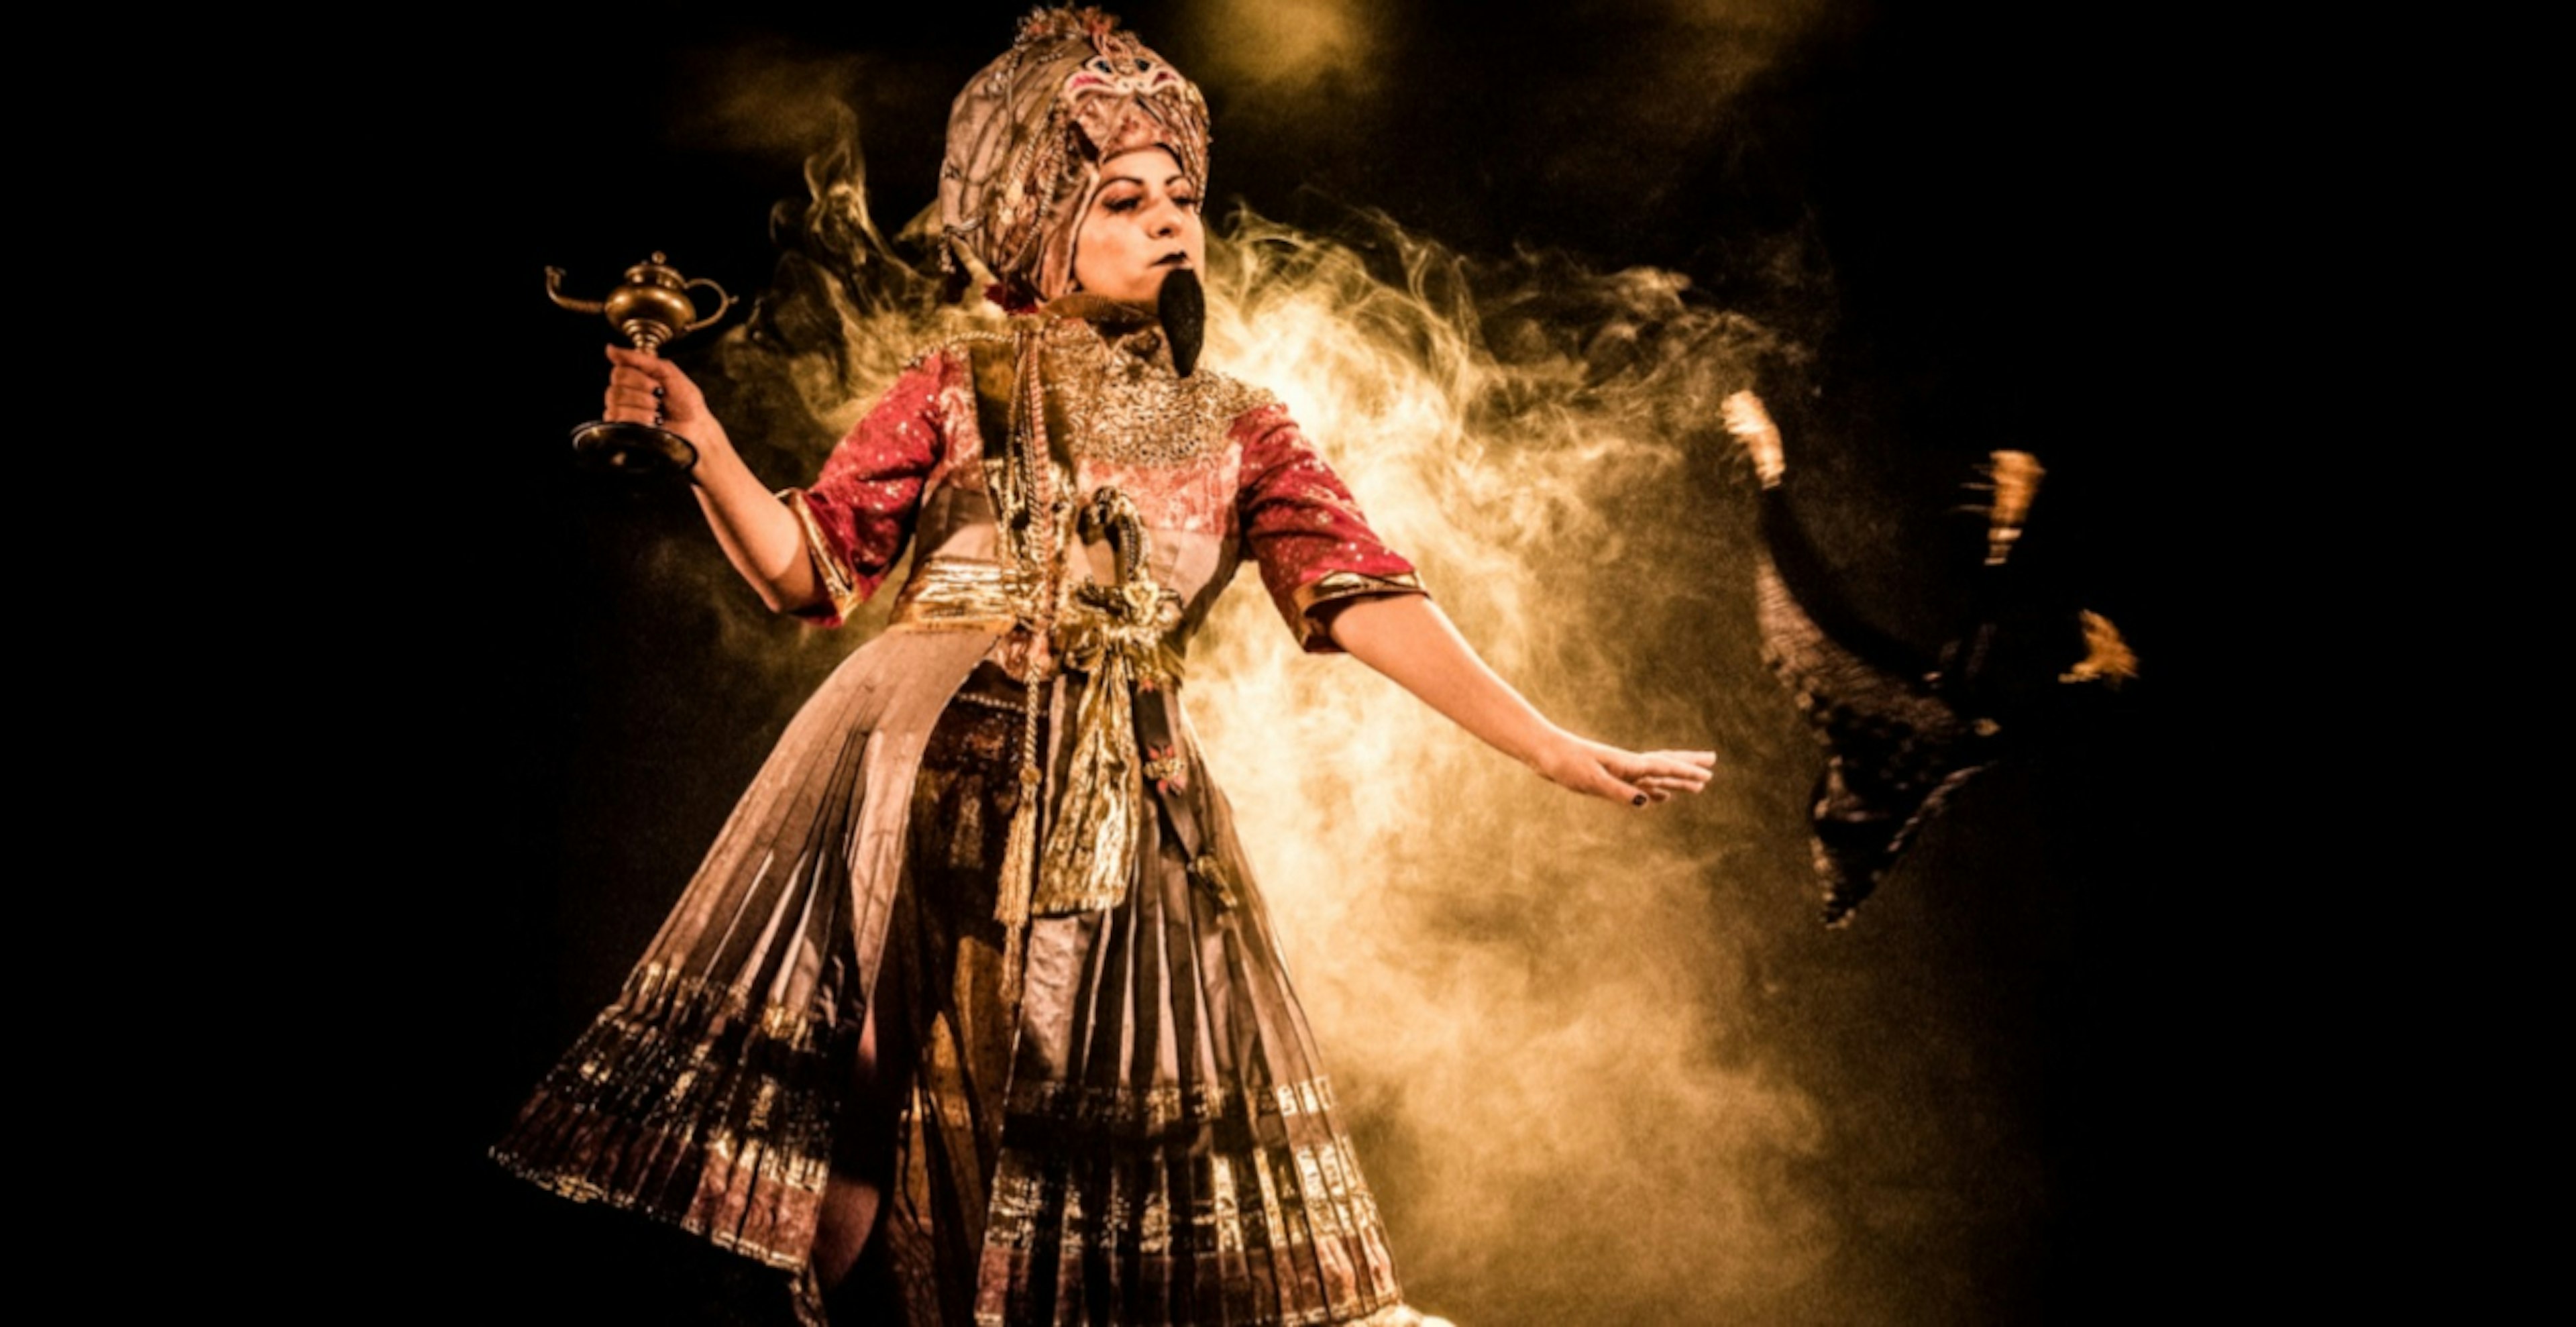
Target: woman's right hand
{"type": "Point", "coordinates": [647, 389]}
{"type": "Point", "coordinates": [758, 533]}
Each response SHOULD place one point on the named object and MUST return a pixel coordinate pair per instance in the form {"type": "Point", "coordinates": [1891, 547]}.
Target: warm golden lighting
{"type": "Point", "coordinates": [1752, 426]}
{"type": "Point", "coordinates": [1282, 45]}
{"type": "Point", "coordinates": [2016, 477]}
{"type": "Point", "coordinates": [1518, 984]}
{"type": "Point", "coordinates": [2107, 658]}
{"type": "Point", "coordinates": [1511, 986]}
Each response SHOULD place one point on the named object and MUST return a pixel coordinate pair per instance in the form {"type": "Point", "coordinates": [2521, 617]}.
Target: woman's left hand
{"type": "Point", "coordinates": [1619, 775]}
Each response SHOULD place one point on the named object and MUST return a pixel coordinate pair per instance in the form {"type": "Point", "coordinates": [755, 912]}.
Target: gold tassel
{"type": "Point", "coordinates": [1099, 813]}
{"type": "Point", "coordinates": [1020, 858]}
{"type": "Point", "coordinates": [1114, 633]}
{"type": "Point", "coordinates": [1019, 872]}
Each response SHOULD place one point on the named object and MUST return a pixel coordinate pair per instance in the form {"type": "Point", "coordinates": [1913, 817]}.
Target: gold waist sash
{"type": "Point", "coordinates": [1135, 619]}
{"type": "Point", "coordinates": [1121, 637]}
{"type": "Point", "coordinates": [965, 594]}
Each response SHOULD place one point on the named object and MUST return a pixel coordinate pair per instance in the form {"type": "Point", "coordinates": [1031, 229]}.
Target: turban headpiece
{"type": "Point", "coordinates": [1027, 137]}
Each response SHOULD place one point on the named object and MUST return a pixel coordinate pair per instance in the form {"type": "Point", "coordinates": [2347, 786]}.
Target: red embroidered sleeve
{"type": "Point", "coordinates": [858, 514]}
{"type": "Point", "coordinates": [1315, 550]}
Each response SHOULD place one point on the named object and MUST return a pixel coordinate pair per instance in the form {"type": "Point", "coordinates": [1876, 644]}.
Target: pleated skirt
{"type": "Point", "coordinates": [1149, 1138]}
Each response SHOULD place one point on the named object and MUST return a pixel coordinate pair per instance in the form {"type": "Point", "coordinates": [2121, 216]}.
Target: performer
{"type": "Point", "coordinates": [976, 980]}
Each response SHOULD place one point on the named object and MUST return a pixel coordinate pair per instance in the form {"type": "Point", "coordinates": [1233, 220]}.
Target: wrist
{"type": "Point", "coordinates": [716, 455]}
{"type": "Point", "coordinates": [1551, 749]}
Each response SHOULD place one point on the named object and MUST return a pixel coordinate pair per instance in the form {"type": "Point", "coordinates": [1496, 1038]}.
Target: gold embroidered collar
{"type": "Point", "coordinates": [1123, 402]}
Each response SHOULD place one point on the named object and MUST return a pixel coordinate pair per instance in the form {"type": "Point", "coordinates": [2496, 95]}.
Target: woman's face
{"type": "Point", "coordinates": [1143, 223]}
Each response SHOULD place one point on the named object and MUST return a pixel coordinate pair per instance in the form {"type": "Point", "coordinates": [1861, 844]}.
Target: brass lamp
{"type": "Point", "coordinates": [652, 308]}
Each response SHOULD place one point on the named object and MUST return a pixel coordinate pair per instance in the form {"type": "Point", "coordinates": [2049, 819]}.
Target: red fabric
{"type": "Point", "coordinates": [870, 489]}
{"type": "Point", "coordinates": [1299, 520]}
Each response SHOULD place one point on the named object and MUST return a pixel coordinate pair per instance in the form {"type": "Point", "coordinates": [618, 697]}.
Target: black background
{"type": "Point", "coordinates": [1973, 205]}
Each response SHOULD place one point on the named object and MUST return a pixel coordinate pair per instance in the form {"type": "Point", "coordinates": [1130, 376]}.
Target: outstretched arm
{"type": "Point", "coordinates": [1408, 638]}
{"type": "Point", "coordinates": [760, 535]}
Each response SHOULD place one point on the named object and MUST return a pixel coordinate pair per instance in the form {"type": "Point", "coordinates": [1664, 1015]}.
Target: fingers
{"type": "Point", "coordinates": [1659, 776]}
{"type": "Point", "coordinates": [643, 386]}
{"type": "Point", "coordinates": [632, 396]}
{"type": "Point", "coordinates": [1584, 767]}
{"type": "Point", "coordinates": [633, 407]}
{"type": "Point", "coordinates": [653, 365]}
{"type": "Point", "coordinates": [1611, 786]}
{"type": "Point", "coordinates": [1638, 778]}
{"type": "Point", "coordinates": [1668, 771]}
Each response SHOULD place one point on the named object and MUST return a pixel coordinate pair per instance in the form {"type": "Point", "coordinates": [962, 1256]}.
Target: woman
{"type": "Point", "coordinates": [975, 979]}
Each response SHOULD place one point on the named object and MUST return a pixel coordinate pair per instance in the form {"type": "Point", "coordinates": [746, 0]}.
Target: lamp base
{"type": "Point", "coordinates": [632, 449]}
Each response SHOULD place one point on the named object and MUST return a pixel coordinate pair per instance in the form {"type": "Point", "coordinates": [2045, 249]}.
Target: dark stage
{"type": "Point", "coordinates": [1607, 1069]}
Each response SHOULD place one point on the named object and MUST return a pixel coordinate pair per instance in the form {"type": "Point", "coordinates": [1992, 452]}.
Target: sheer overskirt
{"type": "Point", "coordinates": [1152, 1139]}
{"type": "Point", "coordinates": [707, 1094]}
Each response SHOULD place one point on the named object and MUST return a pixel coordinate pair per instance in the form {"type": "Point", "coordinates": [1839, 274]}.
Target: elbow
{"type": "Point", "coordinates": [778, 600]}
{"type": "Point", "coordinates": [1367, 627]}
{"type": "Point", "coordinates": [792, 586]}
{"type": "Point", "coordinates": [795, 597]}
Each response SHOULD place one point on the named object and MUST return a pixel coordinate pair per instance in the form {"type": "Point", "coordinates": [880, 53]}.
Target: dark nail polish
{"type": "Point", "coordinates": [1640, 801]}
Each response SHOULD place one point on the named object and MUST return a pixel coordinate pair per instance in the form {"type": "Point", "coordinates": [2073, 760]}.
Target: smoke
{"type": "Point", "coordinates": [1542, 1012]}
{"type": "Point", "coordinates": [768, 100]}
{"type": "Point", "coordinates": [1529, 995]}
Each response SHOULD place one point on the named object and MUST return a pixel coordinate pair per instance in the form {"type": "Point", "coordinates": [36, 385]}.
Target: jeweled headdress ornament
{"type": "Point", "coordinates": [1027, 136]}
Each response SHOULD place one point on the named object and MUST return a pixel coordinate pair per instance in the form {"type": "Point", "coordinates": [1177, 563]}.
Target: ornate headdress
{"type": "Point", "coordinates": [1027, 137]}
